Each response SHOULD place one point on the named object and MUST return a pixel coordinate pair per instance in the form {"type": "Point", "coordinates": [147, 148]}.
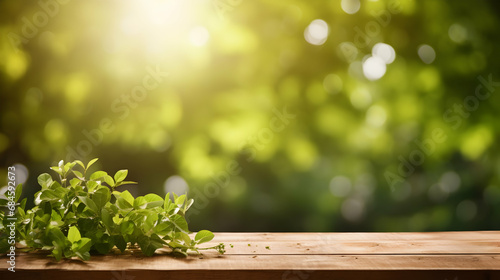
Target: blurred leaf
{"type": "Point", "coordinates": [74, 234]}
{"type": "Point", "coordinates": [204, 236]}
{"type": "Point", "coordinates": [121, 175]}
{"type": "Point", "coordinates": [90, 163]}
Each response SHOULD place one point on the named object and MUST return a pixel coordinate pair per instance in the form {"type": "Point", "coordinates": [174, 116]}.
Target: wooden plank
{"type": "Point", "coordinates": [358, 236]}
{"type": "Point", "coordinates": [318, 255]}
{"type": "Point", "coordinates": [266, 262]}
{"type": "Point", "coordinates": [361, 243]}
{"type": "Point", "coordinates": [352, 247]}
{"type": "Point", "coordinates": [253, 274]}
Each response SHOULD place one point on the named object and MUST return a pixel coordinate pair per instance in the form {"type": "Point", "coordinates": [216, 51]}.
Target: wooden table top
{"type": "Point", "coordinates": [433, 255]}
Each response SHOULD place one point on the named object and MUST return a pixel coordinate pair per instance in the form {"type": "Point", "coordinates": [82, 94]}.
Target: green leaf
{"type": "Point", "coordinates": [179, 222]}
{"type": "Point", "coordinates": [45, 180]}
{"type": "Point", "coordinates": [74, 182]}
{"type": "Point", "coordinates": [49, 195]}
{"type": "Point", "coordinates": [175, 244]}
{"type": "Point", "coordinates": [103, 248]}
{"type": "Point", "coordinates": [68, 166]}
{"type": "Point", "coordinates": [19, 191]}
{"type": "Point", "coordinates": [168, 205]}
{"type": "Point", "coordinates": [98, 175]}
{"type": "Point", "coordinates": [153, 200]}
{"type": "Point", "coordinates": [150, 244]}
{"type": "Point", "coordinates": [87, 224]}
{"type": "Point", "coordinates": [163, 228]}
{"type": "Point", "coordinates": [55, 185]}
{"type": "Point", "coordinates": [58, 237]}
{"type": "Point", "coordinates": [121, 175]}
{"type": "Point", "coordinates": [123, 204]}
{"type": "Point", "coordinates": [117, 219]}
{"type": "Point", "coordinates": [57, 252]}
{"type": "Point", "coordinates": [188, 204]}
{"type": "Point", "coordinates": [106, 219]}
{"type": "Point", "coordinates": [55, 216]}
{"type": "Point", "coordinates": [140, 202]}
{"type": "Point", "coordinates": [150, 221]}
{"type": "Point", "coordinates": [120, 242]}
{"type": "Point", "coordinates": [74, 234]}
{"type": "Point", "coordinates": [127, 196]}
{"type": "Point", "coordinates": [180, 200]}
{"type": "Point", "coordinates": [83, 249]}
{"type": "Point", "coordinates": [101, 196]}
{"type": "Point", "coordinates": [125, 183]}
{"type": "Point", "coordinates": [79, 163]}
{"type": "Point", "coordinates": [179, 253]}
{"type": "Point", "coordinates": [127, 227]}
{"type": "Point", "coordinates": [22, 205]}
{"type": "Point", "coordinates": [83, 256]}
{"type": "Point", "coordinates": [78, 174]}
{"type": "Point", "coordinates": [185, 237]}
{"type": "Point", "coordinates": [175, 196]}
{"type": "Point", "coordinates": [90, 163]}
{"type": "Point", "coordinates": [91, 185]}
{"type": "Point", "coordinates": [89, 203]}
{"type": "Point", "coordinates": [57, 170]}
{"type": "Point", "coordinates": [204, 236]}
{"type": "Point", "coordinates": [85, 244]}
{"type": "Point", "coordinates": [72, 220]}
{"type": "Point", "coordinates": [109, 181]}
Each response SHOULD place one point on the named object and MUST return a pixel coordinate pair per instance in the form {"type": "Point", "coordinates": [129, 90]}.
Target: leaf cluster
{"type": "Point", "coordinates": [81, 213]}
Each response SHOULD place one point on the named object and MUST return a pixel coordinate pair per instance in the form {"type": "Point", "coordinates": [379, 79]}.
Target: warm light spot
{"type": "Point", "coordinates": [317, 32]}
{"type": "Point", "coordinates": [129, 26]}
{"type": "Point", "coordinates": [457, 33]}
{"type": "Point", "coordinates": [159, 140]}
{"type": "Point", "coordinates": [475, 141]}
{"type": "Point", "coordinates": [350, 6]}
{"type": "Point", "coordinates": [426, 53]}
{"type": "Point", "coordinates": [385, 52]}
{"type": "Point", "coordinates": [450, 182]}
{"type": "Point", "coordinates": [340, 186]}
{"type": "Point", "coordinates": [374, 68]}
{"type": "Point", "coordinates": [355, 69]}
{"type": "Point", "coordinates": [353, 209]}
{"type": "Point", "coordinates": [176, 184]}
{"type": "Point", "coordinates": [301, 152]}
{"type": "Point", "coordinates": [77, 86]}
{"type": "Point", "coordinates": [16, 64]}
{"type": "Point", "coordinates": [55, 131]}
{"type": "Point", "coordinates": [376, 116]}
{"type": "Point", "coordinates": [21, 173]}
{"type": "Point", "coordinates": [198, 36]}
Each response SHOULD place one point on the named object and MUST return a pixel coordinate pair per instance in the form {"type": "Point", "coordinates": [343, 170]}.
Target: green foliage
{"type": "Point", "coordinates": [75, 216]}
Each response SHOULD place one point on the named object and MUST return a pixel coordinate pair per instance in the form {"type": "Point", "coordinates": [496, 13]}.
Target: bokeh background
{"type": "Point", "coordinates": [274, 115]}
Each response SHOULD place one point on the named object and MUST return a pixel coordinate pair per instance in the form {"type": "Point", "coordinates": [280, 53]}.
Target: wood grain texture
{"type": "Point", "coordinates": [436, 255]}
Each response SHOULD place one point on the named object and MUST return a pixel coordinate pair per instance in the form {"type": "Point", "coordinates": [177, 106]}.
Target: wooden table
{"type": "Point", "coordinates": [434, 255]}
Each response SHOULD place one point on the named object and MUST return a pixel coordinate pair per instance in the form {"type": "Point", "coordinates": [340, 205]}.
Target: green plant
{"type": "Point", "coordinates": [75, 216]}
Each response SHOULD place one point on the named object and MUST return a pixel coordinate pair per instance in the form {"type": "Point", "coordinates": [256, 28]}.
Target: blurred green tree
{"type": "Point", "coordinates": [273, 115]}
